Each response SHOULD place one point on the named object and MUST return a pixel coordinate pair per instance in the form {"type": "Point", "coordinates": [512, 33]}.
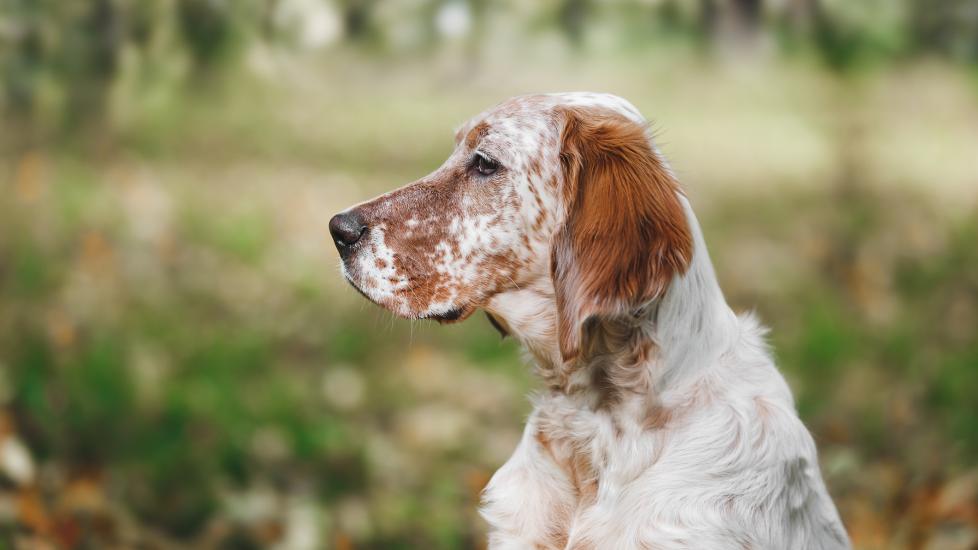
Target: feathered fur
{"type": "Point", "coordinates": [664, 423]}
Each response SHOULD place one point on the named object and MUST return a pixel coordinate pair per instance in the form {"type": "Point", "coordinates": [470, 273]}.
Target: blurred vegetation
{"type": "Point", "coordinates": [181, 365]}
{"type": "Point", "coordinates": [60, 62]}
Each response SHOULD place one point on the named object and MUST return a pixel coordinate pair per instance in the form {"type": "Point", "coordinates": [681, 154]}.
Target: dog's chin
{"type": "Point", "coordinates": [454, 314]}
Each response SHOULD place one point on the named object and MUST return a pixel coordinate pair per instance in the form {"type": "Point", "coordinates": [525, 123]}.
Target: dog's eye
{"type": "Point", "coordinates": [484, 165]}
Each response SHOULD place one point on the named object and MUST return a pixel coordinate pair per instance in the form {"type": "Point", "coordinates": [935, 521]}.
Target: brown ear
{"type": "Point", "coordinates": [625, 234]}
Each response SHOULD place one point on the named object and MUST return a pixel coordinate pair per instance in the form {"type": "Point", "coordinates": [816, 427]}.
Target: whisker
{"type": "Point", "coordinates": [514, 282]}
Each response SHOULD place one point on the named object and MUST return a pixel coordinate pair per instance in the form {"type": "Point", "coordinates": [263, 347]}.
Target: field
{"type": "Point", "coordinates": [181, 364]}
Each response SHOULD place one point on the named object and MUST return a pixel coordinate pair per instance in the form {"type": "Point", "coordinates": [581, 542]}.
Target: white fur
{"type": "Point", "coordinates": [729, 466]}
{"type": "Point", "coordinates": [736, 470]}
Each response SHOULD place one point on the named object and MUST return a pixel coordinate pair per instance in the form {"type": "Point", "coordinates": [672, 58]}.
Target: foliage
{"type": "Point", "coordinates": [181, 365]}
{"type": "Point", "coordinates": [62, 63]}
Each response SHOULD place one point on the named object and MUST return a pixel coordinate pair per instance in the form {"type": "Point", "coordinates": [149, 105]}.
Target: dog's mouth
{"type": "Point", "coordinates": [454, 314]}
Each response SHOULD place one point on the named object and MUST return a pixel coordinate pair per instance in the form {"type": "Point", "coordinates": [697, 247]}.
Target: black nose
{"type": "Point", "coordinates": [346, 229]}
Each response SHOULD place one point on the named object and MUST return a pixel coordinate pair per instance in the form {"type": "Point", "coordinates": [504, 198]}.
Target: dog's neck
{"type": "Point", "coordinates": [664, 342]}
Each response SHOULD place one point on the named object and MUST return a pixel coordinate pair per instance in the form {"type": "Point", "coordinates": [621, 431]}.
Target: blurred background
{"type": "Point", "coordinates": [181, 365]}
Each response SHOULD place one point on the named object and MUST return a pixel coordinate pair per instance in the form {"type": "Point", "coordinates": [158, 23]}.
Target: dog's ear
{"type": "Point", "coordinates": [625, 234]}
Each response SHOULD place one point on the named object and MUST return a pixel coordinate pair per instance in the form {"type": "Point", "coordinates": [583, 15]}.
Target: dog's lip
{"type": "Point", "coordinates": [451, 315]}
{"type": "Point", "coordinates": [455, 314]}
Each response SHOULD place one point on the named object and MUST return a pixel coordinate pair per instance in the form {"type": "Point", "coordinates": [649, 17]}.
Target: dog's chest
{"type": "Point", "coordinates": [693, 448]}
{"type": "Point", "coordinates": [600, 450]}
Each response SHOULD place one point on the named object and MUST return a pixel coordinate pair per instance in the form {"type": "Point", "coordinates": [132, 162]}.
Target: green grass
{"type": "Point", "coordinates": [172, 322]}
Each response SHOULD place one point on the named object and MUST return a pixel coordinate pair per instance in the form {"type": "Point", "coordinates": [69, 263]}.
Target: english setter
{"type": "Point", "coordinates": [664, 423]}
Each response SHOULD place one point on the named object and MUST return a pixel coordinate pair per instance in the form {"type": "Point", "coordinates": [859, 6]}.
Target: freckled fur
{"type": "Point", "coordinates": [664, 423]}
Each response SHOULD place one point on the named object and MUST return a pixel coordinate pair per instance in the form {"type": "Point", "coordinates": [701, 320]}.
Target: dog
{"type": "Point", "coordinates": [664, 423]}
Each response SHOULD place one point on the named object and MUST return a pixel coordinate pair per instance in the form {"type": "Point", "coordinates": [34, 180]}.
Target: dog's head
{"type": "Point", "coordinates": [566, 187]}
